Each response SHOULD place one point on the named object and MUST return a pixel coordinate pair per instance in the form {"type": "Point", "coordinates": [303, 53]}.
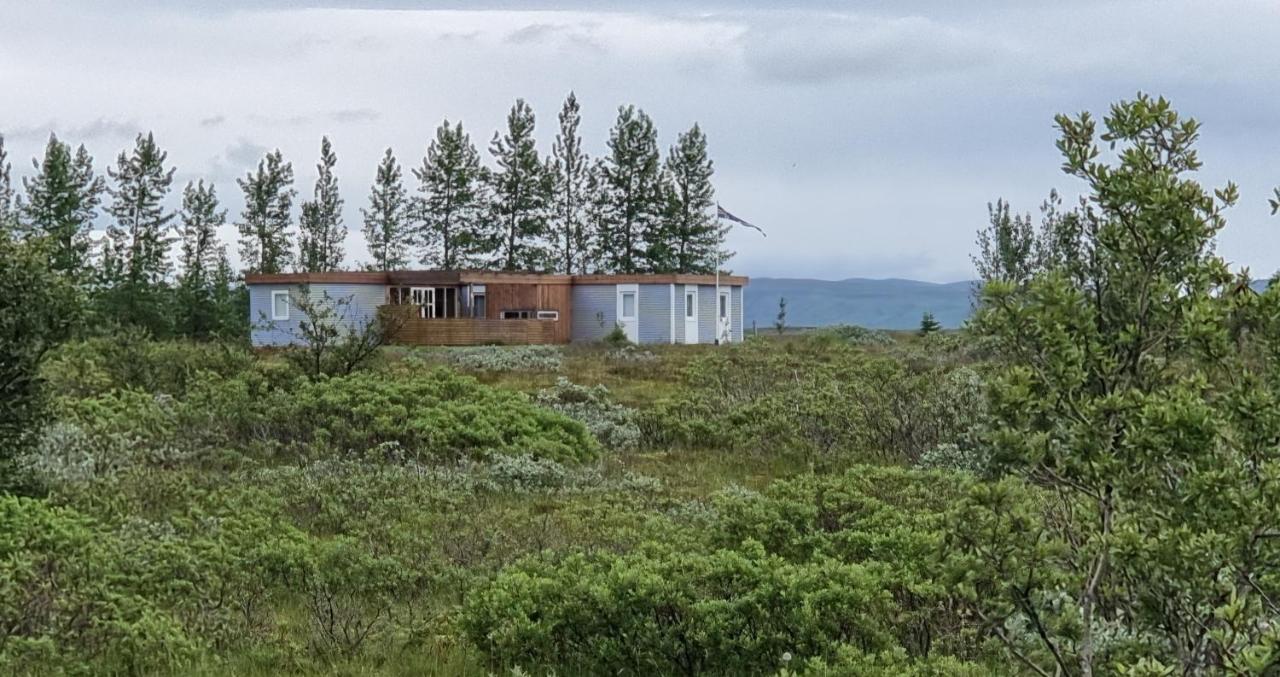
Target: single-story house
{"type": "Point", "coordinates": [436, 307]}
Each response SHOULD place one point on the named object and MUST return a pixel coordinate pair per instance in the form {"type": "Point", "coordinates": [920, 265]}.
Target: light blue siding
{"type": "Point", "coordinates": [364, 300]}
{"type": "Point", "coordinates": [706, 313]}
{"type": "Point", "coordinates": [595, 311]}
{"type": "Point", "coordinates": [655, 313]}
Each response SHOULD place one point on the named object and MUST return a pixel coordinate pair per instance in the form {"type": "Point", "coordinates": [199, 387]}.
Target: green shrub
{"type": "Point", "coordinates": [129, 360]}
{"type": "Point", "coordinates": [666, 612]}
{"type": "Point", "coordinates": [617, 337]}
{"type": "Point", "coordinates": [611, 423]}
{"type": "Point", "coordinates": [856, 336]}
{"type": "Point", "coordinates": [68, 603]}
{"type": "Point", "coordinates": [434, 415]}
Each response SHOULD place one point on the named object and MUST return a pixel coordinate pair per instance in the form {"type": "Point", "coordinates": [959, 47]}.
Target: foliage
{"type": "Point", "coordinates": [520, 190]}
{"type": "Point", "coordinates": [203, 306]}
{"type": "Point", "coordinates": [452, 232]}
{"type": "Point", "coordinates": [780, 324]}
{"type": "Point", "coordinates": [690, 240]}
{"type": "Point", "coordinates": [505, 358]}
{"type": "Point", "coordinates": [857, 336]}
{"type": "Point", "coordinates": [437, 414]}
{"type": "Point", "coordinates": [617, 337]}
{"type": "Point", "coordinates": [570, 170]}
{"type": "Point", "coordinates": [929, 324]}
{"type": "Point", "coordinates": [37, 309]}
{"type": "Point", "coordinates": [386, 221]}
{"type": "Point", "coordinates": [630, 188]}
{"type": "Point", "coordinates": [265, 219]}
{"type": "Point", "coordinates": [66, 600]}
{"type": "Point", "coordinates": [332, 341]}
{"type": "Point", "coordinates": [611, 423]}
{"type": "Point", "coordinates": [321, 232]}
{"type": "Point", "coordinates": [61, 203]}
{"type": "Point", "coordinates": [1137, 389]}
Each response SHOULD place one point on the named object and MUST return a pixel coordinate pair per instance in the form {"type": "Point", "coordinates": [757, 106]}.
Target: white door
{"type": "Point", "coordinates": [629, 310]}
{"type": "Point", "coordinates": [690, 309]}
{"type": "Point", "coordinates": [724, 333]}
{"type": "Point", "coordinates": [424, 298]}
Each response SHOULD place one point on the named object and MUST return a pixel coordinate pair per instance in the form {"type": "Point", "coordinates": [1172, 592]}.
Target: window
{"type": "Point", "coordinates": [280, 305]}
{"type": "Point", "coordinates": [629, 304]}
{"type": "Point", "coordinates": [517, 314]}
{"type": "Point", "coordinates": [478, 306]}
{"type": "Point", "coordinates": [690, 299]}
{"type": "Point", "coordinates": [724, 305]}
{"type": "Point", "coordinates": [548, 314]}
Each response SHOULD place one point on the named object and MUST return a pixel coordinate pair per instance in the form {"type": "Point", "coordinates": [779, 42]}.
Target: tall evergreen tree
{"type": "Point", "coordinates": [8, 207]}
{"type": "Point", "coordinates": [321, 232]}
{"type": "Point", "coordinates": [140, 235]}
{"type": "Point", "coordinates": [571, 170]}
{"type": "Point", "coordinates": [61, 203]}
{"type": "Point", "coordinates": [632, 192]}
{"type": "Point", "coordinates": [264, 222]}
{"type": "Point", "coordinates": [201, 258]}
{"type": "Point", "coordinates": [386, 227]}
{"type": "Point", "coordinates": [452, 232]}
{"type": "Point", "coordinates": [690, 239]}
{"type": "Point", "coordinates": [520, 192]}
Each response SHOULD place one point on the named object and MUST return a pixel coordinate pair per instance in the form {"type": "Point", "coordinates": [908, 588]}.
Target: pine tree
{"type": "Point", "coordinates": [929, 324]}
{"type": "Point", "coordinates": [632, 186]}
{"type": "Point", "coordinates": [386, 227]}
{"type": "Point", "coordinates": [202, 256]}
{"type": "Point", "coordinates": [690, 239]}
{"type": "Point", "coordinates": [452, 232]}
{"type": "Point", "coordinates": [571, 169]}
{"type": "Point", "coordinates": [520, 192]}
{"type": "Point", "coordinates": [61, 203]}
{"type": "Point", "coordinates": [140, 234]}
{"type": "Point", "coordinates": [321, 232]}
{"type": "Point", "coordinates": [596, 215]}
{"type": "Point", "coordinates": [8, 207]}
{"type": "Point", "coordinates": [781, 322]}
{"type": "Point", "coordinates": [264, 222]}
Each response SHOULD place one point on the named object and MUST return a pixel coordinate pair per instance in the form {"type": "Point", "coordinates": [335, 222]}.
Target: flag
{"type": "Point", "coordinates": [722, 213]}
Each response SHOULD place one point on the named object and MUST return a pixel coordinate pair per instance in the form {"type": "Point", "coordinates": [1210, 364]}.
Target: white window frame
{"type": "Point", "coordinates": [548, 315]}
{"type": "Point", "coordinates": [276, 293]}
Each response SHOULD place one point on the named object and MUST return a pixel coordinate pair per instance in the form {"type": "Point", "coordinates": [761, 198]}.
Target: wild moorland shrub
{"type": "Point", "coordinates": [611, 423]}
{"type": "Point", "coordinates": [69, 604]}
{"type": "Point", "coordinates": [661, 611]}
{"type": "Point", "coordinates": [505, 358]}
{"type": "Point", "coordinates": [854, 335]}
{"type": "Point", "coordinates": [436, 415]}
{"type": "Point", "coordinates": [817, 398]}
{"type": "Point", "coordinates": [129, 360]}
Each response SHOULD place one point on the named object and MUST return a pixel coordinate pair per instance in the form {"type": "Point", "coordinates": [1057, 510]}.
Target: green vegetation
{"type": "Point", "coordinates": [1081, 482]}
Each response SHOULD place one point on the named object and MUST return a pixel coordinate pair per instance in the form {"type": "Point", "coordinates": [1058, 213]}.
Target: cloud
{"type": "Point", "coordinates": [560, 35]}
{"type": "Point", "coordinates": [101, 128]}
{"type": "Point", "coordinates": [813, 49]}
{"type": "Point", "coordinates": [213, 121]}
{"type": "Point", "coordinates": [355, 115]}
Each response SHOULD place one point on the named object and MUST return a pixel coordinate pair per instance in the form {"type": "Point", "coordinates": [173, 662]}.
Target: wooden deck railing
{"type": "Point", "coordinates": [416, 331]}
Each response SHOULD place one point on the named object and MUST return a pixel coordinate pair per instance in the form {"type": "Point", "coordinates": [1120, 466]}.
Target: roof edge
{"type": "Point", "coordinates": [495, 277]}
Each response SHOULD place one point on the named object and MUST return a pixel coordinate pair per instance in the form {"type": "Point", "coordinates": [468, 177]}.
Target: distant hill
{"type": "Point", "coordinates": [878, 304]}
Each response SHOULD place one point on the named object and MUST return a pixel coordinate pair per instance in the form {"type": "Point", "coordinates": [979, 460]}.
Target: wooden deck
{"type": "Point", "coordinates": [416, 331]}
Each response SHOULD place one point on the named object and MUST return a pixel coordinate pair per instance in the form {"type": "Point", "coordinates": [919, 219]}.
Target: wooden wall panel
{"type": "Point", "coordinates": [416, 331]}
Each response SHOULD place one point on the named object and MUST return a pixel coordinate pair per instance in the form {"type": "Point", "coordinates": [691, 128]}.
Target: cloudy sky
{"type": "Point", "coordinates": [866, 137]}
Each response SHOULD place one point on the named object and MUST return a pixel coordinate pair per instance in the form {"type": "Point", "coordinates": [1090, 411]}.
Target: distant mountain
{"type": "Point", "coordinates": [878, 304]}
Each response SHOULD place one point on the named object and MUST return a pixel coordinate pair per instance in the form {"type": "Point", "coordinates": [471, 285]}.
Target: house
{"type": "Point", "coordinates": [435, 307]}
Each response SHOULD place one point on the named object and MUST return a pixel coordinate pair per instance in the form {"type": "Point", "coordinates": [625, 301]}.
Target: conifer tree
{"type": "Point", "coordinates": [321, 232]}
{"type": "Point", "coordinates": [596, 215]}
{"type": "Point", "coordinates": [690, 240]}
{"type": "Point", "coordinates": [520, 192]}
{"type": "Point", "coordinates": [202, 257]}
{"type": "Point", "coordinates": [632, 186]}
{"type": "Point", "coordinates": [452, 232]}
{"type": "Point", "coordinates": [264, 222]}
{"type": "Point", "coordinates": [386, 227]}
{"type": "Point", "coordinates": [61, 202]}
{"type": "Point", "coordinates": [570, 171]}
{"type": "Point", "coordinates": [8, 206]}
{"type": "Point", "coordinates": [140, 235]}
{"type": "Point", "coordinates": [929, 324]}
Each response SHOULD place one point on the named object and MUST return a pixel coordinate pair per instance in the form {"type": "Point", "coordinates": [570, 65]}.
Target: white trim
{"type": "Point", "coordinates": [276, 317]}
{"type": "Point", "coordinates": [630, 323]}
{"type": "Point", "coordinates": [548, 315]}
{"type": "Point", "coordinates": [671, 306]}
{"type": "Point", "coordinates": [724, 321]}
{"type": "Point", "coordinates": [691, 321]}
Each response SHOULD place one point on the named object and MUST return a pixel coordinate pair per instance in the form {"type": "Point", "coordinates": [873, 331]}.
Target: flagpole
{"type": "Point", "coordinates": [719, 252]}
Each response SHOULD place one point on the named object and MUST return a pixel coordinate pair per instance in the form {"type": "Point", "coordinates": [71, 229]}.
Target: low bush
{"type": "Point", "coordinates": [506, 358]}
{"type": "Point", "coordinates": [433, 415]}
{"type": "Point", "coordinates": [612, 424]}
{"type": "Point", "coordinates": [130, 361]}
{"type": "Point", "coordinates": [675, 613]}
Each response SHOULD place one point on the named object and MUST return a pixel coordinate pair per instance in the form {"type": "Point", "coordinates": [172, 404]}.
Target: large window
{"type": "Point", "coordinates": [432, 302]}
{"type": "Point", "coordinates": [280, 304]}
